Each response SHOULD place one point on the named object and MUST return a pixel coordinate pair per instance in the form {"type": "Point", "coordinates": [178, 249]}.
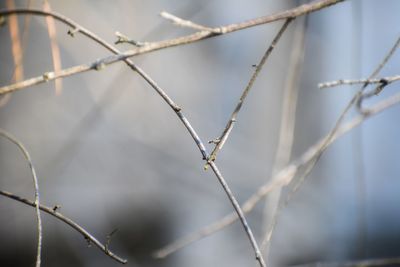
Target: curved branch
{"type": "Point", "coordinates": [36, 187]}
{"type": "Point", "coordinates": [279, 180]}
{"type": "Point", "coordinates": [61, 217]}
{"type": "Point", "coordinates": [175, 108]}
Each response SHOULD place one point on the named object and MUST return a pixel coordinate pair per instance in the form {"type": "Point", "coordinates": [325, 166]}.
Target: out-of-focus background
{"type": "Point", "coordinates": [113, 155]}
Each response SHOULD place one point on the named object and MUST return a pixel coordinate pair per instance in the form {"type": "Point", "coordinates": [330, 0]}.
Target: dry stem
{"type": "Point", "coordinates": [36, 190]}
{"type": "Point", "coordinates": [54, 212]}
{"type": "Point", "coordinates": [149, 47]}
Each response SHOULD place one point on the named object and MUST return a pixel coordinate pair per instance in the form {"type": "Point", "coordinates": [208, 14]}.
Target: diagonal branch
{"type": "Point", "coordinates": [149, 47]}
{"type": "Point", "coordinates": [229, 126]}
{"type": "Point", "coordinates": [287, 125]}
{"type": "Point", "coordinates": [279, 180]}
{"type": "Point", "coordinates": [179, 113]}
{"type": "Point", "coordinates": [53, 211]}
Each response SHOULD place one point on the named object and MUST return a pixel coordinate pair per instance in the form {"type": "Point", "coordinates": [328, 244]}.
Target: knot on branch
{"type": "Point", "coordinates": [121, 38]}
{"type": "Point", "coordinates": [72, 32]}
{"type": "Point", "coordinates": [48, 76]}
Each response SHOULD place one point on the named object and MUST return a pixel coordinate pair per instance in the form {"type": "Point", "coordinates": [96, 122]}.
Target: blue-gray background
{"type": "Point", "coordinates": [113, 154]}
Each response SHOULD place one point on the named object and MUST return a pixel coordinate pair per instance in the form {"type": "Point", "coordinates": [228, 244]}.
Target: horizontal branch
{"type": "Point", "coordinates": [279, 180]}
{"type": "Point", "coordinates": [153, 46]}
{"type": "Point", "coordinates": [53, 211]}
{"type": "Point", "coordinates": [384, 80]}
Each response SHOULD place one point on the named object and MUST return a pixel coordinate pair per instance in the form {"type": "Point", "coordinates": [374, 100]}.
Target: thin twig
{"type": "Point", "coordinates": [178, 112]}
{"type": "Point", "coordinates": [19, 65]}
{"type": "Point", "coordinates": [286, 132]}
{"type": "Point", "coordinates": [36, 190]}
{"type": "Point", "coordinates": [54, 212]}
{"type": "Point", "coordinates": [240, 213]}
{"type": "Point", "coordinates": [229, 126]}
{"type": "Point", "coordinates": [200, 35]}
{"type": "Point", "coordinates": [109, 236]}
{"type": "Point", "coordinates": [357, 99]}
{"type": "Point", "coordinates": [282, 178]}
{"type": "Point", "coordinates": [187, 23]}
{"type": "Point", "coordinates": [385, 80]}
{"type": "Point", "coordinates": [122, 38]}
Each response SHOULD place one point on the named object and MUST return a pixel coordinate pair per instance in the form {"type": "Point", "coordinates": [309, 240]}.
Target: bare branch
{"type": "Point", "coordinates": [385, 80]}
{"type": "Point", "coordinates": [54, 212]}
{"type": "Point", "coordinates": [36, 190]}
{"type": "Point", "coordinates": [125, 39]}
{"type": "Point", "coordinates": [240, 213]}
{"type": "Point", "coordinates": [286, 131]}
{"type": "Point", "coordinates": [177, 111]}
{"type": "Point", "coordinates": [195, 37]}
{"type": "Point", "coordinates": [187, 23]}
{"type": "Point", "coordinates": [229, 126]}
{"type": "Point", "coordinates": [282, 178]}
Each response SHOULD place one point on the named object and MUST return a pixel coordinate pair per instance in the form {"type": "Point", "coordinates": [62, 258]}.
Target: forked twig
{"type": "Point", "coordinates": [54, 212]}
{"type": "Point", "coordinates": [357, 99]}
{"type": "Point", "coordinates": [25, 152]}
{"type": "Point", "coordinates": [169, 43]}
{"type": "Point", "coordinates": [287, 174]}
{"type": "Point", "coordinates": [184, 120]}
{"type": "Point", "coordinates": [280, 179]}
{"type": "Point", "coordinates": [384, 80]}
{"type": "Point", "coordinates": [229, 126]}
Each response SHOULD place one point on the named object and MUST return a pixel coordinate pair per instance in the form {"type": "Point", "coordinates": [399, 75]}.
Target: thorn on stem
{"type": "Point", "coordinates": [56, 207]}
{"type": "Point", "coordinates": [100, 66]}
{"type": "Point", "coordinates": [47, 76]}
{"type": "Point", "coordinates": [109, 240]}
{"type": "Point", "coordinates": [382, 83]}
{"type": "Point", "coordinates": [71, 32]}
{"type": "Point", "coordinates": [89, 243]}
{"type": "Point", "coordinates": [214, 141]}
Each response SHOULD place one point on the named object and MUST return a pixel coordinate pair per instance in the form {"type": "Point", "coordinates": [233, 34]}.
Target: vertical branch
{"type": "Point", "coordinates": [18, 59]}
{"type": "Point", "coordinates": [36, 186]}
{"type": "Point", "coordinates": [16, 43]}
{"type": "Point", "coordinates": [357, 138]}
{"type": "Point", "coordinates": [286, 132]}
{"type": "Point", "coordinates": [357, 101]}
{"type": "Point", "coordinates": [55, 50]}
